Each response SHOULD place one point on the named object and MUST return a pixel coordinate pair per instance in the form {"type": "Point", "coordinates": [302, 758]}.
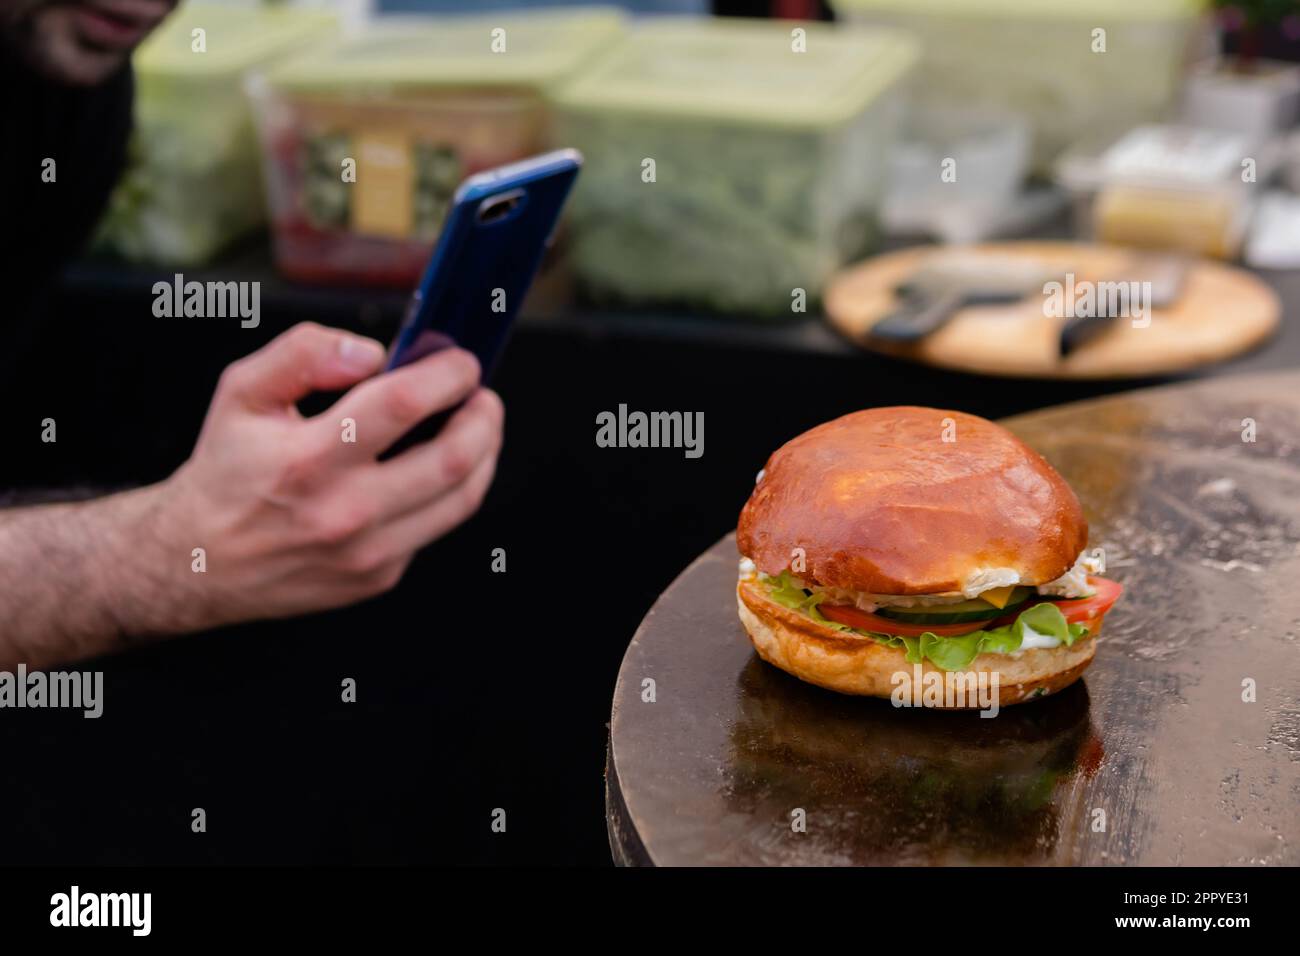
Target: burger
{"type": "Point", "coordinates": [897, 543]}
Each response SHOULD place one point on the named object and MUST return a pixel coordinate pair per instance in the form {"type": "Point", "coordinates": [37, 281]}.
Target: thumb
{"type": "Point", "coordinates": [307, 358]}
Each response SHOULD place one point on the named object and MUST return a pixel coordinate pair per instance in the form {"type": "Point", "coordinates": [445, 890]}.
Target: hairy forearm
{"type": "Point", "coordinates": [87, 578]}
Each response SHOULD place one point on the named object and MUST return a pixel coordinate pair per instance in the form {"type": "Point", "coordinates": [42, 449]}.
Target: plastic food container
{"type": "Point", "coordinates": [192, 183]}
{"type": "Point", "coordinates": [1291, 162]}
{"type": "Point", "coordinates": [994, 151]}
{"type": "Point", "coordinates": [1044, 59]}
{"type": "Point", "coordinates": [366, 140]}
{"type": "Point", "coordinates": [1167, 187]}
{"type": "Point", "coordinates": [724, 167]}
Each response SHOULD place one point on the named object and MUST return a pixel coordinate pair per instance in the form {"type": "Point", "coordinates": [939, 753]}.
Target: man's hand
{"type": "Point", "coordinates": [291, 517]}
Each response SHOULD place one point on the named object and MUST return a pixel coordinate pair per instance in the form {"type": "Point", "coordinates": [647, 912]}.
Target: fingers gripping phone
{"type": "Point", "coordinates": [492, 242]}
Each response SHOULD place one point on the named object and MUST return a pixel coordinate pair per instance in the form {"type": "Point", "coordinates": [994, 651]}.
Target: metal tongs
{"type": "Point", "coordinates": [950, 283]}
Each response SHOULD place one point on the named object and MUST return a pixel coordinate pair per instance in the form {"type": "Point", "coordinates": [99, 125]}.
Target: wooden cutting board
{"type": "Point", "coordinates": [1222, 311]}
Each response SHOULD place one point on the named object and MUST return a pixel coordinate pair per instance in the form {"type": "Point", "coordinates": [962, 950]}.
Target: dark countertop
{"type": "Point", "coordinates": [1203, 530]}
{"type": "Point", "coordinates": [442, 730]}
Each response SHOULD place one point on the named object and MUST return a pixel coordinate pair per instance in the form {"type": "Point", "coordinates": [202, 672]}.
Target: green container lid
{"type": "Point", "coordinates": [743, 70]}
{"type": "Point", "coordinates": [421, 52]}
{"type": "Point", "coordinates": [1031, 10]}
{"type": "Point", "coordinates": [235, 39]}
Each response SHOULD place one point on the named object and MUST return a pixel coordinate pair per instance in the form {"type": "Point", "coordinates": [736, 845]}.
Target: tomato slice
{"type": "Point", "coordinates": [1081, 609]}
{"type": "Point", "coordinates": [866, 621]}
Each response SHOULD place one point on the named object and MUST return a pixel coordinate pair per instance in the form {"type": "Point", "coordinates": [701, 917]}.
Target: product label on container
{"type": "Point", "coordinates": [382, 199]}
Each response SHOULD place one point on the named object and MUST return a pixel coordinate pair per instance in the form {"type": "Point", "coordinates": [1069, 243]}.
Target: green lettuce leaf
{"type": "Point", "coordinates": [945, 653]}
{"type": "Point", "coordinates": [913, 644]}
{"type": "Point", "coordinates": [784, 590]}
{"type": "Point", "coordinates": [1047, 620]}
{"type": "Point", "coordinates": [951, 653]}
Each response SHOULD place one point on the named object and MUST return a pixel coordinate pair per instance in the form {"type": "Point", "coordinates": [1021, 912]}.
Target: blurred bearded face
{"type": "Point", "coordinates": [79, 42]}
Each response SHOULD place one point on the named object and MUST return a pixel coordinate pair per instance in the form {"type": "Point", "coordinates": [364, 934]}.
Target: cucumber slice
{"type": "Point", "coordinates": [960, 613]}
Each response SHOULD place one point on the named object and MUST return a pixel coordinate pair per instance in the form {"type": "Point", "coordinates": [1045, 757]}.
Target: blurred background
{"type": "Point", "coordinates": [817, 168]}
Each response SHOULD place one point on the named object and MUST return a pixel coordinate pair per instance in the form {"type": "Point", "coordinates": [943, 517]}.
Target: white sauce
{"type": "Point", "coordinates": [1032, 640]}
{"type": "Point", "coordinates": [1074, 582]}
{"type": "Point", "coordinates": [977, 582]}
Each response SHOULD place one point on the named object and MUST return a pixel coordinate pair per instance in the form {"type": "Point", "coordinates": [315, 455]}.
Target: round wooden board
{"type": "Point", "coordinates": [1222, 311]}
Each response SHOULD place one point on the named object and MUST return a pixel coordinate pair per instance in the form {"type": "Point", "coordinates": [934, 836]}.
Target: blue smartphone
{"type": "Point", "coordinates": [492, 242]}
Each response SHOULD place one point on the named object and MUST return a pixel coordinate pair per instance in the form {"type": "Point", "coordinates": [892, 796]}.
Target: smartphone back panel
{"type": "Point", "coordinates": [486, 257]}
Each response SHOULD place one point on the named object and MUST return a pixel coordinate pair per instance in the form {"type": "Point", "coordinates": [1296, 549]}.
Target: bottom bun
{"type": "Point", "coordinates": [850, 664]}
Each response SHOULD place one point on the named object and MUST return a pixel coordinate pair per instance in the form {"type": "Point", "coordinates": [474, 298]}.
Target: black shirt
{"type": "Point", "coordinates": [84, 131]}
{"type": "Point", "coordinates": [45, 367]}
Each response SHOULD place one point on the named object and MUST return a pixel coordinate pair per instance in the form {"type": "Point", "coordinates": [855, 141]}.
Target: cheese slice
{"type": "Point", "coordinates": [998, 597]}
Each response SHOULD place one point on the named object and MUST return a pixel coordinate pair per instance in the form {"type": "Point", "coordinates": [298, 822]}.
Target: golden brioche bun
{"type": "Point", "coordinates": [879, 502]}
{"type": "Point", "coordinates": [849, 664]}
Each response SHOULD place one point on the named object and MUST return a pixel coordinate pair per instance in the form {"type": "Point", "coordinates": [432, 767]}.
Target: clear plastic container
{"type": "Point", "coordinates": [192, 183]}
{"type": "Point", "coordinates": [729, 163]}
{"type": "Point", "coordinates": [1169, 187]}
{"type": "Point", "coordinates": [1070, 67]}
{"type": "Point", "coordinates": [366, 140]}
{"type": "Point", "coordinates": [994, 151]}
